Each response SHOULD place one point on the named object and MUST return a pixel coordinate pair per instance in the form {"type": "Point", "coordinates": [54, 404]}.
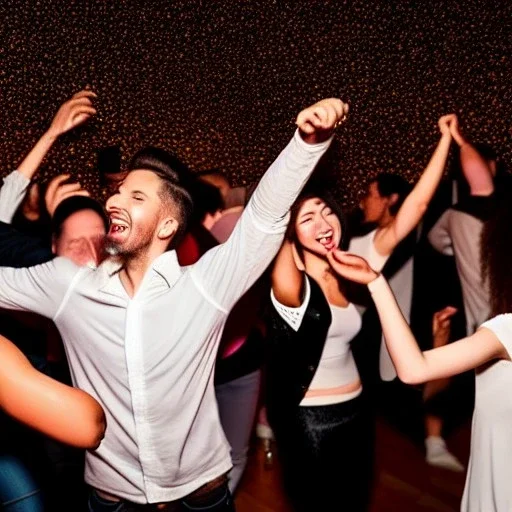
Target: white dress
{"type": "Point", "coordinates": [489, 478]}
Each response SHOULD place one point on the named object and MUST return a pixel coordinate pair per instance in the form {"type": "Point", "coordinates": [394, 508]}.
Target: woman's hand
{"type": "Point", "coordinates": [446, 122]}
{"type": "Point", "coordinates": [351, 267]}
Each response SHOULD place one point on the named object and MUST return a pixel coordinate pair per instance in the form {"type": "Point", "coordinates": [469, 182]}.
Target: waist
{"type": "Point", "coordinates": [334, 395]}
{"type": "Point", "coordinates": [197, 497]}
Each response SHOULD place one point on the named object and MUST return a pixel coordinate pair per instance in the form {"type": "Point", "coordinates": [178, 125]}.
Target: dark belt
{"type": "Point", "coordinates": [196, 498]}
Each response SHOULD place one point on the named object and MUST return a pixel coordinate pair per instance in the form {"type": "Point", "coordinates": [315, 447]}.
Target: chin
{"type": "Point", "coordinates": [113, 248]}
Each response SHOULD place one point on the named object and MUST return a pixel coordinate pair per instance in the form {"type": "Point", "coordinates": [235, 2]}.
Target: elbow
{"type": "Point", "coordinates": [95, 435]}
{"type": "Point", "coordinates": [411, 378]}
{"type": "Point", "coordinates": [94, 428]}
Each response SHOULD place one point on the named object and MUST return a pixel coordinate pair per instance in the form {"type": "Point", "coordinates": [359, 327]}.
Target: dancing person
{"type": "Point", "coordinates": [145, 342]}
{"type": "Point", "coordinates": [396, 213]}
{"type": "Point", "coordinates": [488, 351]}
{"type": "Point", "coordinates": [315, 407]}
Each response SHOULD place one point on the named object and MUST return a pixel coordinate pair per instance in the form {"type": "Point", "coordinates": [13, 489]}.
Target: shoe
{"type": "Point", "coordinates": [264, 432]}
{"type": "Point", "coordinates": [439, 456]}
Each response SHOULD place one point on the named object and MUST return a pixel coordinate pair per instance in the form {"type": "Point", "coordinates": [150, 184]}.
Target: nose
{"type": "Point", "coordinates": [323, 224]}
{"type": "Point", "coordinates": [113, 203]}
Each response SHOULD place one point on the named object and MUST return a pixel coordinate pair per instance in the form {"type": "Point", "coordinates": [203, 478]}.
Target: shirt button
{"type": "Point", "coordinates": [311, 368]}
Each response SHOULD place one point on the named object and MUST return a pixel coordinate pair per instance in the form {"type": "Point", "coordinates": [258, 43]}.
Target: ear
{"type": "Point", "coordinates": [167, 228]}
{"type": "Point", "coordinates": [54, 245]}
{"type": "Point", "coordinates": [392, 199]}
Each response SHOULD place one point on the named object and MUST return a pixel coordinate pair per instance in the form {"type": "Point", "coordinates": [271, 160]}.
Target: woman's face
{"type": "Point", "coordinates": [318, 228]}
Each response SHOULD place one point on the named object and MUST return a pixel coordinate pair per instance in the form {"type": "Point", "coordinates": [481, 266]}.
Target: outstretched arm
{"type": "Point", "coordinates": [64, 413]}
{"type": "Point", "coordinates": [416, 203]}
{"type": "Point", "coordinates": [225, 272]}
{"type": "Point", "coordinates": [475, 168]}
{"type": "Point", "coordinates": [71, 114]}
{"type": "Point", "coordinates": [414, 366]}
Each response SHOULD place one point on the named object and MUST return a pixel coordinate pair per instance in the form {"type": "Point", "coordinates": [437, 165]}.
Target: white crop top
{"type": "Point", "coordinates": [336, 367]}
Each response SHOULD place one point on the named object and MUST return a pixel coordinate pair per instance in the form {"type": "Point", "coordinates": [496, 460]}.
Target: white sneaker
{"type": "Point", "coordinates": [439, 456]}
{"type": "Point", "coordinates": [264, 431]}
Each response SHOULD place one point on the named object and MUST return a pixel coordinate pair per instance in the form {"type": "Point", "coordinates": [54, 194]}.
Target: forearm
{"type": "Point", "coordinates": [407, 357]}
{"type": "Point", "coordinates": [32, 161]}
{"type": "Point", "coordinates": [419, 198]}
{"type": "Point", "coordinates": [283, 181]}
{"type": "Point", "coordinates": [62, 412]}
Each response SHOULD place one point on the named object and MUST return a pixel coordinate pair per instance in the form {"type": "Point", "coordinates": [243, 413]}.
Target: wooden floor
{"type": "Point", "coordinates": [404, 481]}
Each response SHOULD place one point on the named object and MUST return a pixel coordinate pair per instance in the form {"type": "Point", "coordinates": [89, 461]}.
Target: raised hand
{"type": "Point", "coordinates": [58, 190]}
{"type": "Point", "coordinates": [441, 325]}
{"type": "Point", "coordinates": [72, 113]}
{"type": "Point", "coordinates": [351, 267]}
{"type": "Point", "coordinates": [446, 122]}
{"type": "Point", "coordinates": [317, 123]}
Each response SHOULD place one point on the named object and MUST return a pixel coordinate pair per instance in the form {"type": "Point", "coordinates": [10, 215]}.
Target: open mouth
{"type": "Point", "coordinates": [117, 228]}
{"type": "Point", "coordinates": [326, 240]}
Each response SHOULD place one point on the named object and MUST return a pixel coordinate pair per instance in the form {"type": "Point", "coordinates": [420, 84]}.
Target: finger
{"type": "Point", "coordinates": [84, 93]}
{"type": "Point", "coordinates": [56, 183]}
{"type": "Point", "coordinates": [71, 193]}
{"type": "Point", "coordinates": [68, 187]}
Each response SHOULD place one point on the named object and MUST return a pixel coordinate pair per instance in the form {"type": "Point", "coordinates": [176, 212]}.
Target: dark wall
{"type": "Point", "coordinates": [221, 82]}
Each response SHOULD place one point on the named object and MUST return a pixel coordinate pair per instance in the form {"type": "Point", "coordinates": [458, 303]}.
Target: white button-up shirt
{"type": "Point", "coordinates": [149, 360]}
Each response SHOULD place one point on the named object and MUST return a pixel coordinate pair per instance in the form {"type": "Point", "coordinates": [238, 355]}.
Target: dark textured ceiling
{"type": "Point", "coordinates": [220, 82]}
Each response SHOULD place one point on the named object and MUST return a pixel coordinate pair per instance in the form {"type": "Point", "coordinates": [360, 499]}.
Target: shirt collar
{"type": "Point", "coordinates": [166, 266]}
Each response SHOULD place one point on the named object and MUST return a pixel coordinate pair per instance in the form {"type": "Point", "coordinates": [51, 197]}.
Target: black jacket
{"type": "Point", "coordinates": [292, 357]}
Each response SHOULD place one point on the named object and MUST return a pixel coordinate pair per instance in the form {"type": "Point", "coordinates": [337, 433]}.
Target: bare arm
{"type": "Point", "coordinates": [67, 414]}
{"type": "Point", "coordinates": [287, 279]}
{"type": "Point", "coordinates": [414, 366]}
{"type": "Point", "coordinates": [475, 168]}
{"type": "Point", "coordinates": [416, 203]}
{"type": "Point", "coordinates": [71, 114]}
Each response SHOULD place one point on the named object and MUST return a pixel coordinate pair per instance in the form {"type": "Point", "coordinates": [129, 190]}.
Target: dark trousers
{"type": "Point", "coordinates": [327, 457]}
{"type": "Point", "coordinates": [217, 500]}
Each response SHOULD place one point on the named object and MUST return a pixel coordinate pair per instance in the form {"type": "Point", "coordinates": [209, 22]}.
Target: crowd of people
{"type": "Point", "coordinates": [139, 339]}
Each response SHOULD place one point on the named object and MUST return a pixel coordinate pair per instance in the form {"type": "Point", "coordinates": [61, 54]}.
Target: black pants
{"type": "Point", "coordinates": [327, 457]}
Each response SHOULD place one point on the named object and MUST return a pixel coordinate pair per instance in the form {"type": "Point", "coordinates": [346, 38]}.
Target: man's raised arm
{"type": "Point", "coordinates": [227, 271]}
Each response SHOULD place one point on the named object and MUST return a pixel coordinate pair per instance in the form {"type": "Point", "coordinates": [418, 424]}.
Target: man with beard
{"type": "Point", "coordinates": [141, 332]}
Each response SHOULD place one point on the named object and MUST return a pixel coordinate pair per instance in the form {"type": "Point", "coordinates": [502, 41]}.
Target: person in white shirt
{"type": "Point", "coordinates": [141, 333]}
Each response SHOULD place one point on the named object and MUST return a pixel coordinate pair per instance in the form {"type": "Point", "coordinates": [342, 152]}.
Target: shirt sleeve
{"type": "Point", "coordinates": [501, 326]}
{"type": "Point", "coordinates": [11, 195]}
{"type": "Point", "coordinates": [293, 316]}
{"type": "Point", "coordinates": [439, 235]}
{"type": "Point", "coordinates": [225, 272]}
{"type": "Point", "coordinates": [39, 289]}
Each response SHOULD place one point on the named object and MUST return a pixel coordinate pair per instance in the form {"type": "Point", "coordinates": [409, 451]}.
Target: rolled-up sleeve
{"type": "Point", "coordinates": [11, 195]}
{"type": "Point", "coordinates": [225, 272]}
